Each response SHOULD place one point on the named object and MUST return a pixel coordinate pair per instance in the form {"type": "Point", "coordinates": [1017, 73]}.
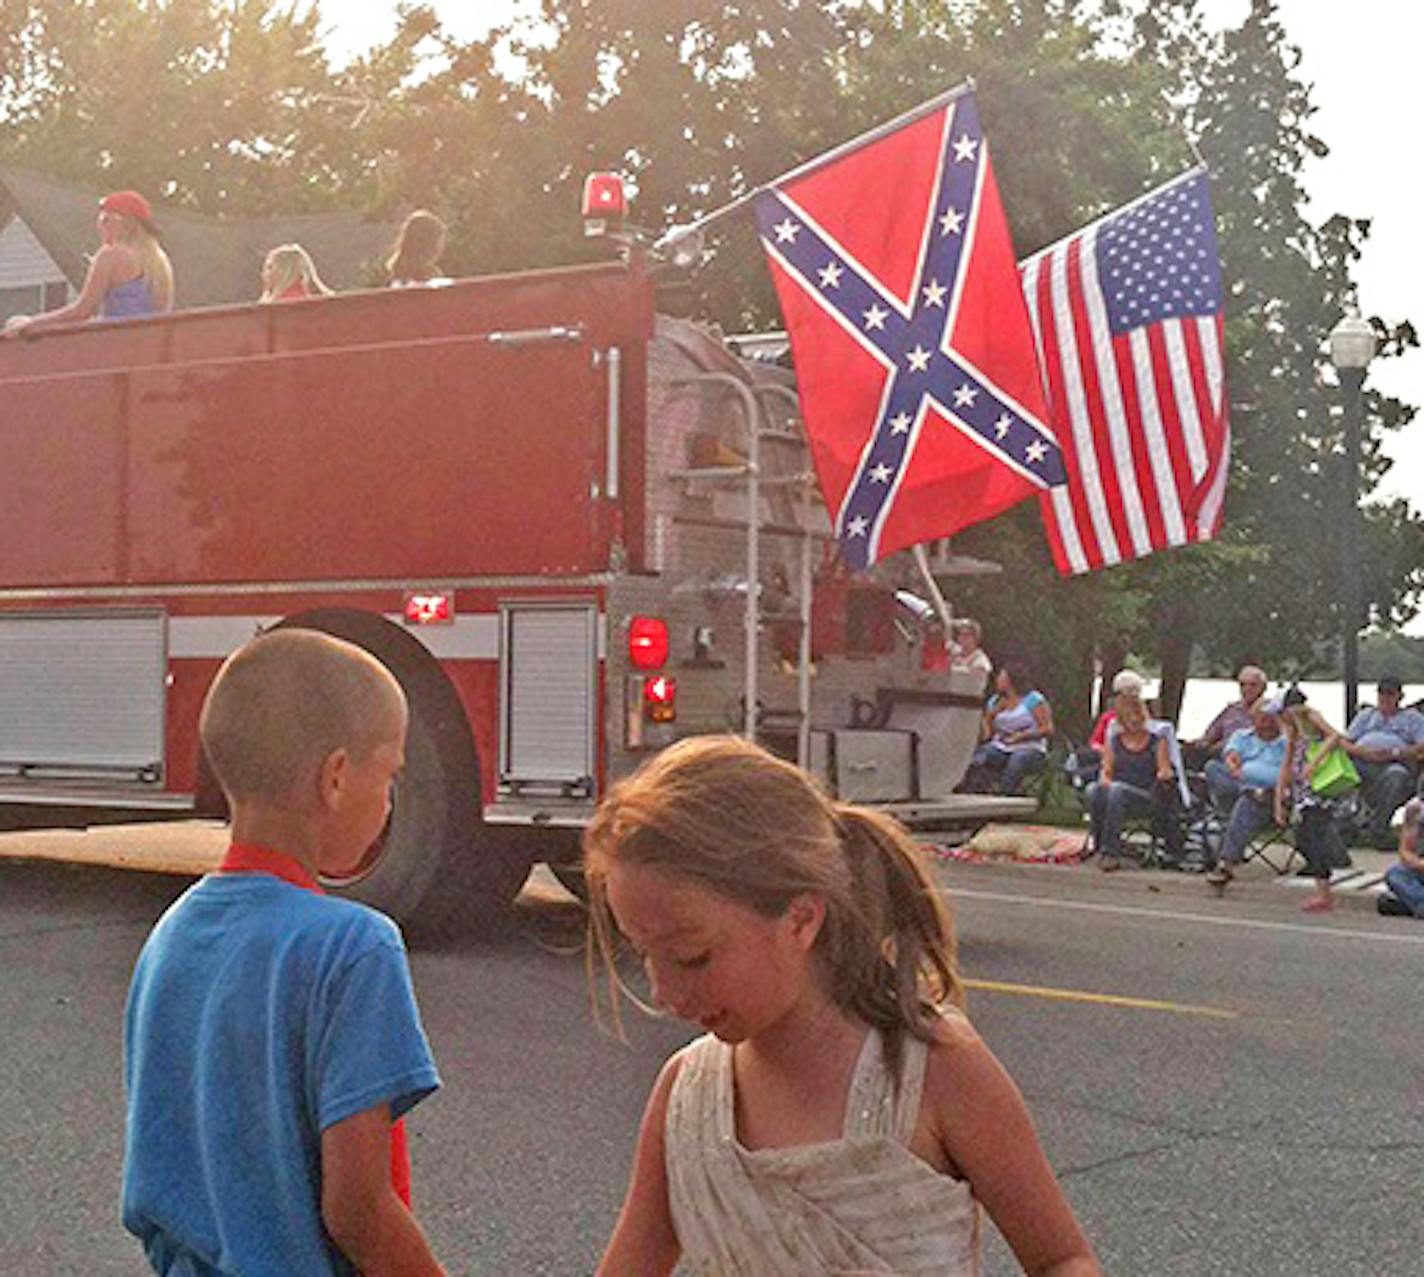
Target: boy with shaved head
{"type": "Point", "coordinates": [272, 1038]}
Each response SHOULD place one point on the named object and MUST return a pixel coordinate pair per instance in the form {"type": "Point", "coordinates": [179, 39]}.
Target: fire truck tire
{"type": "Point", "coordinates": [440, 868]}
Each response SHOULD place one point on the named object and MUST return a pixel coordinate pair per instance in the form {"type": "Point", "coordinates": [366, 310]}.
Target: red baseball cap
{"type": "Point", "coordinates": [129, 204]}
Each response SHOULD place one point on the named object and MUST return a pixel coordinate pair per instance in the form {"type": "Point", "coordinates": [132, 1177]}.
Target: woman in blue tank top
{"type": "Point", "coordinates": [1018, 723]}
{"type": "Point", "coordinates": [129, 277]}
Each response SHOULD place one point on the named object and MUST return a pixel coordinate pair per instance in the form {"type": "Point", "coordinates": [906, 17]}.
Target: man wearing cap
{"type": "Point", "coordinates": [1242, 782]}
{"type": "Point", "coordinates": [1387, 744]}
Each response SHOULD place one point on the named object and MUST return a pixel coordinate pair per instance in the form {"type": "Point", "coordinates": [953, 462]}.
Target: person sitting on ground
{"type": "Point", "coordinates": [1405, 880]}
{"type": "Point", "coordinates": [1309, 738]}
{"type": "Point", "coordinates": [415, 257]}
{"type": "Point", "coordinates": [1017, 724]}
{"type": "Point", "coordinates": [1235, 717]}
{"type": "Point", "coordinates": [129, 277]}
{"type": "Point", "coordinates": [289, 274]}
{"type": "Point", "coordinates": [964, 650]}
{"type": "Point", "coordinates": [1387, 744]}
{"type": "Point", "coordinates": [1242, 784]}
{"type": "Point", "coordinates": [271, 1038]}
{"type": "Point", "coordinates": [1136, 778]}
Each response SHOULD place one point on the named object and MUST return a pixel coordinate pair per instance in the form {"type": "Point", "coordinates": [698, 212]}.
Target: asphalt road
{"type": "Point", "coordinates": [1263, 1119]}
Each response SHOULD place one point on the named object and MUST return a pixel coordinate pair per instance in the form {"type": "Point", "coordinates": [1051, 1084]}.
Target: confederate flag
{"type": "Point", "coordinates": [915, 362]}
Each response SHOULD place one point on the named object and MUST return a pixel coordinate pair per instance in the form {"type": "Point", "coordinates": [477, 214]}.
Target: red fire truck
{"type": "Point", "coordinates": [574, 530]}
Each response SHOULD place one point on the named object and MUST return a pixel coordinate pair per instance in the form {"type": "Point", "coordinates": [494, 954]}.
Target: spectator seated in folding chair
{"type": "Point", "coordinates": [1017, 726]}
{"type": "Point", "coordinates": [1242, 785]}
{"type": "Point", "coordinates": [1211, 744]}
{"type": "Point", "coordinates": [1085, 761]}
{"type": "Point", "coordinates": [1308, 796]}
{"type": "Point", "coordinates": [1387, 745]}
{"type": "Point", "coordinates": [1139, 780]}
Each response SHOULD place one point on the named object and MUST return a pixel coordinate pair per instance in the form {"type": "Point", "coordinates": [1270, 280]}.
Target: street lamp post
{"type": "Point", "coordinates": [1352, 346]}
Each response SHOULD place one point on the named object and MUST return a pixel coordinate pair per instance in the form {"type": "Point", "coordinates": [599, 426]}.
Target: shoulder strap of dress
{"type": "Point", "coordinates": [914, 1055]}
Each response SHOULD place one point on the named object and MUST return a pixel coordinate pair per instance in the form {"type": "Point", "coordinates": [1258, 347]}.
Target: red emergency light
{"type": "Point", "coordinates": [661, 695]}
{"type": "Point", "coordinates": [605, 203]}
{"type": "Point", "coordinates": [429, 609]}
{"type": "Point", "coordinates": [647, 642]}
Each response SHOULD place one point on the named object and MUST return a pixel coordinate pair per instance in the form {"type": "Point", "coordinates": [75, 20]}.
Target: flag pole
{"type": "Point", "coordinates": [676, 233]}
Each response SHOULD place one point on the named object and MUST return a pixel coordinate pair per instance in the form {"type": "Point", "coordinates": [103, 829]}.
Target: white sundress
{"type": "Point", "coordinates": [861, 1204]}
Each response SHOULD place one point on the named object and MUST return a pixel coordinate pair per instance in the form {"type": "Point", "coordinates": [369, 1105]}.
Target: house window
{"type": "Point", "coordinates": [25, 300]}
{"type": "Point", "coordinates": [32, 299]}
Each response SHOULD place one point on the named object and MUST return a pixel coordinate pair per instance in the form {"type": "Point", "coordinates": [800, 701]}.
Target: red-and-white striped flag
{"type": "Point", "coordinates": [1127, 317]}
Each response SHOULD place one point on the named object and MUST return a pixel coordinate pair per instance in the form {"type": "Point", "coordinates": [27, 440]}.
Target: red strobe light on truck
{"type": "Point", "coordinates": [605, 204]}
{"type": "Point", "coordinates": [429, 608]}
{"type": "Point", "coordinates": [647, 643]}
{"type": "Point", "coordinates": [661, 695]}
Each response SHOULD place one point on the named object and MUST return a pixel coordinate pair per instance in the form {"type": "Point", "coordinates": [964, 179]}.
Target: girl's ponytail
{"type": "Point", "coordinates": [891, 957]}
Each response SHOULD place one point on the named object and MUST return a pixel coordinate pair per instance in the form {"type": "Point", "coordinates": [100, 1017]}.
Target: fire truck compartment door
{"type": "Point", "coordinates": [83, 695]}
{"type": "Point", "coordinates": [549, 698]}
{"type": "Point", "coordinates": [866, 765]}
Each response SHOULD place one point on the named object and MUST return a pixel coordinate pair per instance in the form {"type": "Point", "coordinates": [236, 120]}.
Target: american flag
{"type": "Point", "coordinates": [915, 364]}
{"type": "Point", "coordinates": [1126, 314]}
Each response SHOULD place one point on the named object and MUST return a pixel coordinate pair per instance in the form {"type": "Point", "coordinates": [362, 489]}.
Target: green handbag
{"type": "Point", "coordinates": [1336, 774]}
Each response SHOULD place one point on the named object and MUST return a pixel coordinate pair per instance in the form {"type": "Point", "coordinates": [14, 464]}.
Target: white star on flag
{"type": "Point", "coordinates": [875, 317]}
{"type": "Point", "coordinates": [918, 360]}
{"type": "Point", "coordinates": [934, 293]}
{"type": "Point", "coordinates": [786, 232]}
{"type": "Point", "coordinates": [1036, 451]}
{"type": "Point", "coordinates": [964, 148]}
{"type": "Point", "coordinates": [858, 526]}
{"type": "Point", "coordinates": [1001, 427]}
{"type": "Point", "coordinates": [965, 396]}
{"type": "Point", "coordinates": [900, 424]}
{"type": "Point", "coordinates": [881, 474]}
{"type": "Point", "coordinates": [831, 274]}
{"type": "Point", "coordinates": [951, 222]}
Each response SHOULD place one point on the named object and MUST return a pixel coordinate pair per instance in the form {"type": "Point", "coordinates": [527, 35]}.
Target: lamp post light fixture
{"type": "Point", "coordinates": [1352, 346]}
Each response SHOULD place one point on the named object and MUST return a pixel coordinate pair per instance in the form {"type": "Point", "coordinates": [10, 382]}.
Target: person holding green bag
{"type": "Point", "coordinates": [1310, 746]}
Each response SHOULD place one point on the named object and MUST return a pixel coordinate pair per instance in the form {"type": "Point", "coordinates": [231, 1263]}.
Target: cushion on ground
{"type": "Point", "coordinates": [1029, 842]}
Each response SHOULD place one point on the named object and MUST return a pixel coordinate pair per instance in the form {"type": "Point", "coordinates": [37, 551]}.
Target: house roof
{"type": "Point", "coordinates": [216, 260]}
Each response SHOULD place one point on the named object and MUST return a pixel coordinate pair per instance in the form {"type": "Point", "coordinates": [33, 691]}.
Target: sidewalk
{"type": "Point", "coordinates": [1056, 854]}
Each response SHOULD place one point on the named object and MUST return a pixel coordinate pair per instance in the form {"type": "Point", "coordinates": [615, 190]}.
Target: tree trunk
{"type": "Point", "coordinates": [1176, 642]}
{"type": "Point", "coordinates": [1111, 655]}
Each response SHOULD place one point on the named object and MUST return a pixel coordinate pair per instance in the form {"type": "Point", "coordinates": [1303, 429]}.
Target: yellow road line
{"type": "Point", "coordinates": [1106, 999]}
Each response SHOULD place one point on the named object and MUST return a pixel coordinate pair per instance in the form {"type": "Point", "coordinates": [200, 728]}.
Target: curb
{"type": "Point", "coordinates": [1356, 889]}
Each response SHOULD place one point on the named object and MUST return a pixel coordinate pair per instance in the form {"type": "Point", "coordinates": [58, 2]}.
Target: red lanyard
{"type": "Point", "coordinates": [246, 858]}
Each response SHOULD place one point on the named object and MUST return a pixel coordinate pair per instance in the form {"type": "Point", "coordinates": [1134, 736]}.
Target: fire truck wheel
{"type": "Point", "coordinates": [437, 867]}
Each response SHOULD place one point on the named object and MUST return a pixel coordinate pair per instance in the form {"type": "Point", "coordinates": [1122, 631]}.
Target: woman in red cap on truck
{"type": "Point", "coordinates": [130, 276]}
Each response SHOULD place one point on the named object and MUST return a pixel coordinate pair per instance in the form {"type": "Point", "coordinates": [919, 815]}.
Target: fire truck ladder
{"type": "Point", "coordinates": [756, 479]}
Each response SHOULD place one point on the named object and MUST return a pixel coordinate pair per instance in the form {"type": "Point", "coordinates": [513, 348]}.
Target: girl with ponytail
{"type": "Point", "coordinates": [839, 1115]}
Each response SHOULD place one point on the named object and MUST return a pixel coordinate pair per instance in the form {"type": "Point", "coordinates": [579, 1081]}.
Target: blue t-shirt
{"type": "Point", "coordinates": [1019, 719]}
{"type": "Point", "coordinates": [259, 1015]}
{"type": "Point", "coordinates": [1260, 759]}
{"type": "Point", "coordinates": [1401, 729]}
